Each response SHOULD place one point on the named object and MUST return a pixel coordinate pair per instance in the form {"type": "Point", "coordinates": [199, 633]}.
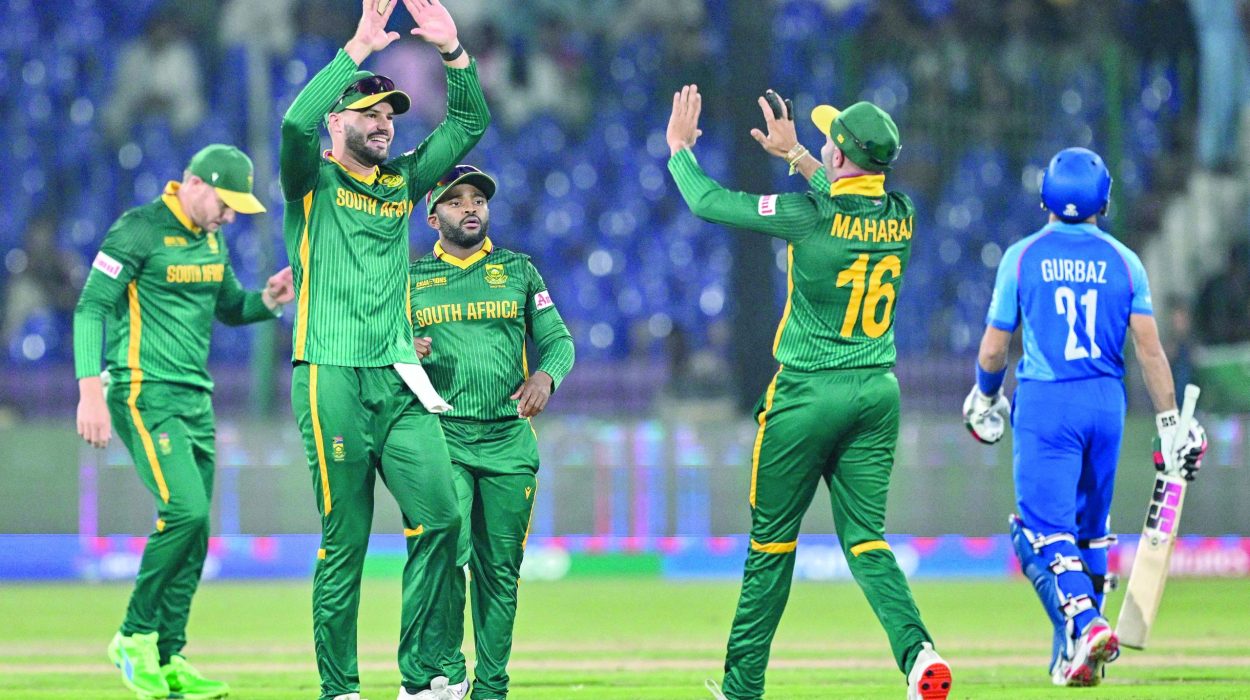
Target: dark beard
{"type": "Point", "coordinates": [359, 148]}
{"type": "Point", "coordinates": [459, 236]}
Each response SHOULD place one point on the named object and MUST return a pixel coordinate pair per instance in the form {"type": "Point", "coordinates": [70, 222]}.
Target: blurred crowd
{"type": "Point", "coordinates": [109, 99]}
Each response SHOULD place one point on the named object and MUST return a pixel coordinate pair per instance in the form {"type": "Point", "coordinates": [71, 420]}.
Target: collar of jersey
{"type": "Point", "coordinates": [863, 185]}
{"type": "Point", "coordinates": [450, 259]}
{"type": "Point", "coordinates": [170, 198]}
{"type": "Point", "coordinates": [1063, 227]}
{"type": "Point", "coordinates": [367, 179]}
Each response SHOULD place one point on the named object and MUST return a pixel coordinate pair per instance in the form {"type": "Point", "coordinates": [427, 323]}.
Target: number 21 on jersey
{"type": "Point", "coordinates": [869, 291]}
{"type": "Point", "coordinates": [1065, 305]}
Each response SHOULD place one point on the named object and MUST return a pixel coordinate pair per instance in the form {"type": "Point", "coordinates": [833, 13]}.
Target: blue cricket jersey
{"type": "Point", "coordinates": [1074, 287]}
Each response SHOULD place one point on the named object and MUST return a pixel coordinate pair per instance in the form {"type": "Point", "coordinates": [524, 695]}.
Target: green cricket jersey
{"type": "Point", "coordinates": [477, 312]}
{"type": "Point", "coordinates": [158, 281]}
{"type": "Point", "coordinates": [849, 243]}
{"type": "Point", "coordinates": [347, 236]}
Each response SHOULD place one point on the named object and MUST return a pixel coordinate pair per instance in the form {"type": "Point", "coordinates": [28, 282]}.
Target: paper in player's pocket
{"type": "Point", "coordinates": [417, 380]}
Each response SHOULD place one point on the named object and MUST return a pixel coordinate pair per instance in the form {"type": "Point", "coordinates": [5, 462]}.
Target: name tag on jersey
{"type": "Point", "coordinates": [768, 205]}
{"type": "Point", "coordinates": [106, 264]}
{"type": "Point", "coordinates": [542, 300]}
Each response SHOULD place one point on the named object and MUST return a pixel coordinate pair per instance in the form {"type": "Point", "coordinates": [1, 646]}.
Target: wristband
{"type": "Point", "coordinates": [453, 55]}
{"type": "Point", "coordinates": [989, 383]}
{"type": "Point", "coordinates": [794, 155]}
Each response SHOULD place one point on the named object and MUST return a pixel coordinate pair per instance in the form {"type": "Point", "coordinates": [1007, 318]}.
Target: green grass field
{"type": "Point", "coordinates": [637, 639]}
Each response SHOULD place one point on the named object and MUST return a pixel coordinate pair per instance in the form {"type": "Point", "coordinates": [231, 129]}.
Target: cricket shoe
{"type": "Point", "coordinates": [186, 682]}
{"type": "Point", "coordinates": [438, 690]}
{"type": "Point", "coordinates": [930, 677]}
{"type": "Point", "coordinates": [1059, 672]}
{"type": "Point", "coordinates": [1098, 645]}
{"type": "Point", "coordinates": [348, 696]}
{"type": "Point", "coordinates": [139, 661]}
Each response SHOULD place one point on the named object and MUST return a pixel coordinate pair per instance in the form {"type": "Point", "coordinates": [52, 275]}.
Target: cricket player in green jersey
{"type": "Point", "coordinates": [474, 304]}
{"type": "Point", "coordinates": [831, 411]}
{"type": "Point", "coordinates": [162, 274]}
{"type": "Point", "coordinates": [346, 230]}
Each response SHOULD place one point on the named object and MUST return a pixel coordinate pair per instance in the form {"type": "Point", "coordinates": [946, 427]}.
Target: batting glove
{"type": "Point", "coordinates": [986, 416]}
{"type": "Point", "coordinates": [1188, 452]}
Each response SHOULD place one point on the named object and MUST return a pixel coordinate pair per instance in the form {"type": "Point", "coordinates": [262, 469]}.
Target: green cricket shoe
{"type": "Point", "coordinates": [186, 682]}
{"type": "Point", "coordinates": [139, 661]}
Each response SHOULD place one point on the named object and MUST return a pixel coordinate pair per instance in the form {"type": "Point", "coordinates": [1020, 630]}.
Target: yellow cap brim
{"type": "Point", "coordinates": [367, 101]}
{"type": "Point", "coordinates": [823, 117]}
{"type": "Point", "coordinates": [242, 202]}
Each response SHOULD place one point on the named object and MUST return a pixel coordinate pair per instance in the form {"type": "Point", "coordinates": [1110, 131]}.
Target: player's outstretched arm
{"type": "Point", "coordinates": [236, 306]}
{"type": "Point", "coordinates": [300, 154]}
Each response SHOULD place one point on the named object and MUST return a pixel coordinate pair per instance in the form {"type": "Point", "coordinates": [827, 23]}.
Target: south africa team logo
{"type": "Point", "coordinates": [390, 180]}
{"type": "Point", "coordinates": [212, 243]}
{"type": "Point", "coordinates": [166, 446]}
{"type": "Point", "coordinates": [495, 276]}
{"type": "Point", "coordinates": [340, 450]}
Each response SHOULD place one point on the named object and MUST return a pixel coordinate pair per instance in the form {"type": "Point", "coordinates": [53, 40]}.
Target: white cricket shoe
{"type": "Point", "coordinates": [348, 696]}
{"type": "Point", "coordinates": [1098, 645]}
{"type": "Point", "coordinates": [460, 690]}
{"type": "Point", "coordinates": [930, 677]}
{"type": "Point", "coordinates": [438, 690]}
{"type": "Point", "coordinates": [1059, 673]}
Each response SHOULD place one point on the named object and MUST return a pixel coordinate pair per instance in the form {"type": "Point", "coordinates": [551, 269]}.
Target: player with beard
{"type": "Point", "coordinates": [363, 404]}
{"type": "Point", "coordinates": [475, 304]}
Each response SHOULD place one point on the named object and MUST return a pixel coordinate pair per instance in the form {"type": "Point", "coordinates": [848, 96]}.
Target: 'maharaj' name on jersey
{"type": "Point", "coordinates": [871, 230]}
{"type": "Point", "coordinates": [472, 311]}
{"type": "Point", "coordinates": [1067, 270]}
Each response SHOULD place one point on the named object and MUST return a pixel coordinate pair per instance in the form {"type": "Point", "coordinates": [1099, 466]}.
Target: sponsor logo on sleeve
{"type": "Point", "coordinates": [768, 205]}
{"type": "Point", "coordinates": [542, 300]}
{"type": "Point", "coordinates": [106, 264]}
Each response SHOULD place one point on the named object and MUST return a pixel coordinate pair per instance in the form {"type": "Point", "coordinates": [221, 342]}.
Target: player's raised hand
{"type": "Point", "coordinates": [422, 346]}
{"type": "Point", "coordinates": [683, 123]}
{"type": "Point", "coordinates": [371, 34]}
{"type": "Point", "coordinates": [532, 397]}
{"type": "Point", "coordinates": [780, 138]}
{"type": "Point", "coordinates": [434, 24]}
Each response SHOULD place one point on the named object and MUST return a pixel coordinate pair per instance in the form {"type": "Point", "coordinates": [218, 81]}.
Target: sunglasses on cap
{"type": "Point", "coordinates": [864, 147]}
{"type": "Point", "coordinates": [373, 85]}
{"type": "Point", "coordinates": [455, 173]}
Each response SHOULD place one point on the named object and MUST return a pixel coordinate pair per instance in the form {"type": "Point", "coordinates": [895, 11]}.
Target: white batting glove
{"type": "Point", "coordinates": [986, 416]}
{"type": "Point", "coordinates": [1187, 449]}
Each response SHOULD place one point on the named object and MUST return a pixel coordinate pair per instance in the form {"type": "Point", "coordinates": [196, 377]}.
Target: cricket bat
{"type": "Point", "coordinates": [1158, 538]}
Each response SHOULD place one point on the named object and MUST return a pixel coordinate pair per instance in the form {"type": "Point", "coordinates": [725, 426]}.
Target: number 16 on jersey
{"type": "Point", "coordinates": [1158, 538]}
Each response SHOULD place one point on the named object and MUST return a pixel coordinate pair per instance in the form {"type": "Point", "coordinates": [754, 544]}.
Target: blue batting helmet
{"type": "Point", "coordinates": [1076, 185]}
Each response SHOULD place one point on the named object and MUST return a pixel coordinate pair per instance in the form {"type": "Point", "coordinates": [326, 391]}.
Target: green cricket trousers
{"type": "Point", "coordinates": [357, 423]}
{"type": "Point", "coordinates": [494, 464]}
{"type": "Point", "coordinates": [840, 426]}
{"type": "Point", "coordinates": [169, 431]}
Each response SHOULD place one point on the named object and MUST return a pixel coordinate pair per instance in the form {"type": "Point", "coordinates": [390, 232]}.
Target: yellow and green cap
{"type": "Point", "coordinates": [229, 171]}
{"type": "Point", "coordinates": [864, 132]}
{"type": "Point", "coordinates": [368, 89]}
{"type": "Point", "coordinates": [466, 174]}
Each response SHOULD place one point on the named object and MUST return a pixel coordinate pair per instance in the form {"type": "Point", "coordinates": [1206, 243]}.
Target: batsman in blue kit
{"type": "Point", "coordinates": [1076, 292]}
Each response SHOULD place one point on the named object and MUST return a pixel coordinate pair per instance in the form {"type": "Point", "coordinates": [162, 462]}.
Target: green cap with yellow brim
{"type": "Point", "coordinates": [363, 93]}
{"type": "Point", "coordinates": [864, 132]}
{"type": "Point", "coordinates": [229, 171]}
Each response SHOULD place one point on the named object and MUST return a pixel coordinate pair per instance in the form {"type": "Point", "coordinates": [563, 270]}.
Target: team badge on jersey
{"type": "Point", "coordinates": [339, 449]}
{"type": "Point", "coordinates": [528, 491]}
{"type": "Point", "coordinates": [391, 180]}
{"type": "Point", "coordinates": [542, 300]}
{"type": "Point", "coordinates": [495, 276]}
{"type": "Point", "coordinates": [166, 446]}
{"type": "Point", "coordinates": [106, 264]}
{"type": "Point", "coordinates": [212, 243]}
{"type": "Point", "coordinates": [175, 241]}
{"type": "Point", "coordinates": [767, 205]}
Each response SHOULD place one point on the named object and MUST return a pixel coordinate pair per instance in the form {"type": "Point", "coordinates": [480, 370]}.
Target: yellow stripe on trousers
{"type": "Point", "coordinates": [869, 546]}
{"type": "Point", "coordinates": [136, 385]}
{"type": "Point", "coordinates": [774, 547]}
{"type": "Point", "coordinates": [316, 426]}
{"type": "Point", "coordinates": [759, 435]}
